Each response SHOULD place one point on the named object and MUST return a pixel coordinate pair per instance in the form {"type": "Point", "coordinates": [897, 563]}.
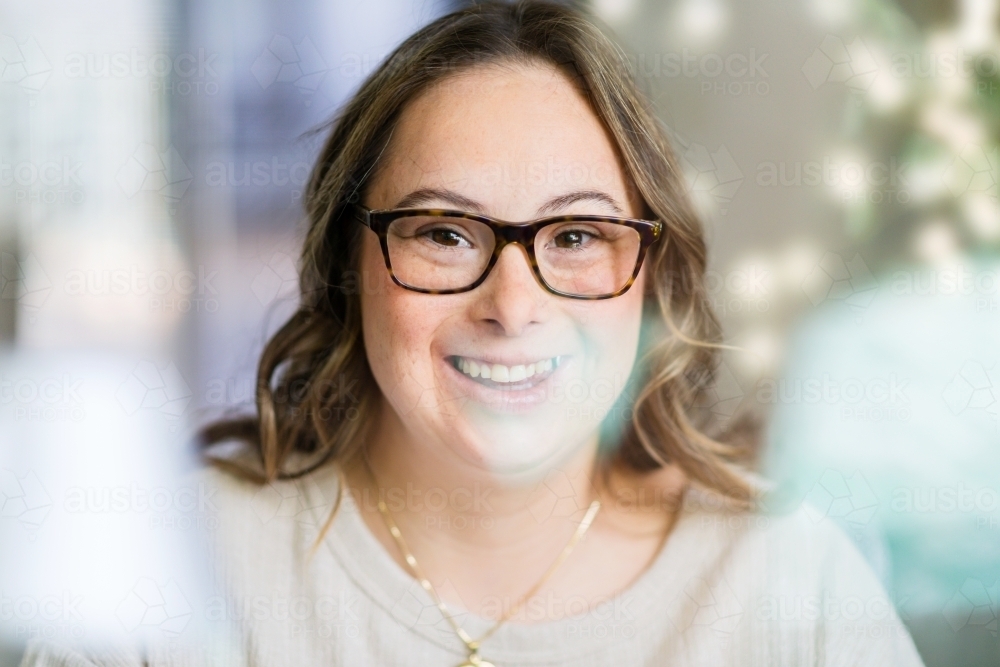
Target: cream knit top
{"type": "Point", "coordinates": [726, 588]}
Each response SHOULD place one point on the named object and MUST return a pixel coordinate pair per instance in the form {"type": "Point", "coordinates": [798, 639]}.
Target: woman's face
{"type": "Point", "coordinates": [515, 143]}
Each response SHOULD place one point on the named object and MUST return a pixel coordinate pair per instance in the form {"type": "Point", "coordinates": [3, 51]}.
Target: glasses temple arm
{"type": "Point", "coordinates": [361, 214]}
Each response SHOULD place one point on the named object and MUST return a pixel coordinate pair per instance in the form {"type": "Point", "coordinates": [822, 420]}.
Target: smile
{"type": "Point", "coordinates": [501, 374]}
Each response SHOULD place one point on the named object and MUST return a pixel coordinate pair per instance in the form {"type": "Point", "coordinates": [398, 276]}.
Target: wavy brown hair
{"type": "Point", "coordinates": [315, 394]}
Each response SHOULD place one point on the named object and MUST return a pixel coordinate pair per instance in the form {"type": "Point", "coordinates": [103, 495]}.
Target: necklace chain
{"type": "Point", "coordinates": [473, 644]}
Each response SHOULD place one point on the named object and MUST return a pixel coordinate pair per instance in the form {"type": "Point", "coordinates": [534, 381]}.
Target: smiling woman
{"type": "Point", "coordinates": [479, 423]}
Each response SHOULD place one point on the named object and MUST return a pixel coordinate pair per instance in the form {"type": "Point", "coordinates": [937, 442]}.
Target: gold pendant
{"type": "Point", "coordinates": [475, 661]}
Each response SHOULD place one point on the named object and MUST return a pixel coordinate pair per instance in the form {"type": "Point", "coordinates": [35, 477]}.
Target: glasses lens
{"type": "Point", "coordinates": [587, 258]}
{"type": "Point", "coordinates": [439, 253]}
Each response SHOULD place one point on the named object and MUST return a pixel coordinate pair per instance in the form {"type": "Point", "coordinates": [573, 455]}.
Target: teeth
{"type": "Point", "coordinates": [503, 374]}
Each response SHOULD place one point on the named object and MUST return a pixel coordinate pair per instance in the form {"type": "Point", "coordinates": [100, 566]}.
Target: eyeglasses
{"type": "Point", "coordinates": [439, 251]}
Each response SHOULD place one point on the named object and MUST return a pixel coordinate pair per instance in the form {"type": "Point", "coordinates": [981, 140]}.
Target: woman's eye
{"type": "Point", "coordinates": [447, 237]}
{"type": "Point", "coordinates": [573, 238]}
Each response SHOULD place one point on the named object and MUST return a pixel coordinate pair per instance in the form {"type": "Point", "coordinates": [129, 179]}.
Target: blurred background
{"type": "Point", "coordinates": [844, 155]}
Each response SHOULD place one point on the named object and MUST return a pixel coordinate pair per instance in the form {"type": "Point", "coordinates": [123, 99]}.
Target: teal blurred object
{"type": "Point", "coordinates": [887, 421]}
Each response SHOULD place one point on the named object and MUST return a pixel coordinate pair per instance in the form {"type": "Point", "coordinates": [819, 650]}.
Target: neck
{"type": "Point", "coordinates": [442, 502]}
{"type": "Point", "coordinates": [481, 537]}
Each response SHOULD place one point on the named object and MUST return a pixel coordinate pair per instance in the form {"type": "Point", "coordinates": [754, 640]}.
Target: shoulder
{"type": "Point", "coordinates": [797, 540]}
{"type": "Point", "coordinates": [798, 579]}
{"type": "Point", "coordinates": [797, 545]}
{"type": "Point", "coordinates": [254, 526]}
{"type": "Point", "coordinates": [798, 528]}
{"type": "Point", "coordinates": [232, 497]}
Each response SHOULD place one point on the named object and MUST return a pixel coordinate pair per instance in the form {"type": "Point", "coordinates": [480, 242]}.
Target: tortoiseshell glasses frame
{"type": "Point", "coordinates": [505, 233]}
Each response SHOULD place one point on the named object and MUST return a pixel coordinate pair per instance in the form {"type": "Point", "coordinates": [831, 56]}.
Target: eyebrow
{"type": "Point", "coordinates": [425, 195]}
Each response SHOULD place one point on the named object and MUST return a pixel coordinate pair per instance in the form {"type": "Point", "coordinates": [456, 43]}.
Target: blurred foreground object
{"type": "Point", "coordinates": [887, 421]}
{"type": "Point", "coordinates": [98, 528]}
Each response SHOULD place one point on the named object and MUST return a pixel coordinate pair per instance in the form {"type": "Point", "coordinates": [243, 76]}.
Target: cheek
{"type": "Point", "coordinates": [396, 324]}
{"type": "Point", "coordinates": [611, 329]}
{"type": "Point", "coordinates": [382, 315]}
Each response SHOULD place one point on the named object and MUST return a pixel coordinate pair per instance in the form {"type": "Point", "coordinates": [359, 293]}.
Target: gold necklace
{"type": "Point", "coordinates": [472, 645]}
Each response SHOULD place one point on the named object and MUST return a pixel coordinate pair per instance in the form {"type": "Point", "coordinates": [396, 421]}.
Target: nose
{"type": "Point", "coordinates": [511, 299]}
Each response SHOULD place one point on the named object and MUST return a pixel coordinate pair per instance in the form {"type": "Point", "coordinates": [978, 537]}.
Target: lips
{"type": "Point", "coordinates": [508, 397]}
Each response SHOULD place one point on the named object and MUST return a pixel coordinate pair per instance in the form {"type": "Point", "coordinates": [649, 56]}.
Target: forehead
{"type": "Point", "coordinates": [501, 130]}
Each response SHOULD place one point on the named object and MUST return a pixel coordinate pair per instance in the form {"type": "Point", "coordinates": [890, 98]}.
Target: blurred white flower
{"type": "Point", "coordinates": [615, 11]}
{"type": "Point", "coordinates": [701, 22]}
{"type": "Point", "coordinates": [983, 215]}
{"type": "Point", "coordinates": [936, 243]}
{"type": "Point", "coordinates": [955, 127]}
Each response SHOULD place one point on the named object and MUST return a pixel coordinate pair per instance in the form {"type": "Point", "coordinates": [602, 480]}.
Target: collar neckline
{"type": "Point", "coordinates": [397, 592]}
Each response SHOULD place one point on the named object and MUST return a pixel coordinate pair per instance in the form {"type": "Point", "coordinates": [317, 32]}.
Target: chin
{"type": "Point", "coordinates": [517, 452]}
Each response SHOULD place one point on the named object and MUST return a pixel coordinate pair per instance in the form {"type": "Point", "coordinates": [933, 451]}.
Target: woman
{"type": "Point", "coordinates": [476, 432]}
